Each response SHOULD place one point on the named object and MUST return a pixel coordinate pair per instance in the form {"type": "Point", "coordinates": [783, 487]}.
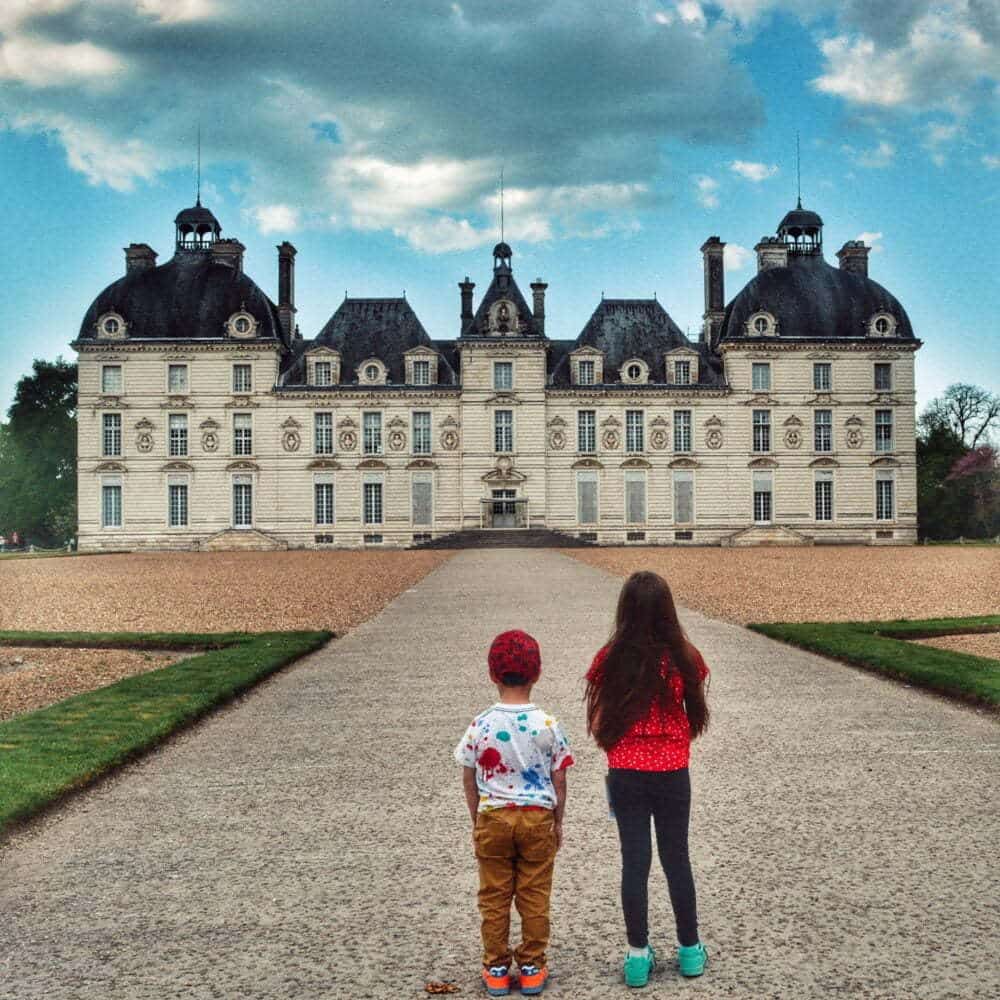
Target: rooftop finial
{"type": "Point", "coordinates": [798, 168]}
{"type": "Point", "coordinates": [501, 203]}
{"type": "Point", "coordinates": [198, 199]}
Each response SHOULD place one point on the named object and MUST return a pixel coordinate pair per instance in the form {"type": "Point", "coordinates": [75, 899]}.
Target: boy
{"type": "Point", "coordinates": [515, 758]}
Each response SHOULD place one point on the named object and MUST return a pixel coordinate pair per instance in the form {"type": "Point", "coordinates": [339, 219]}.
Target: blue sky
{"type": "Point", "coordinates": [371, 136]}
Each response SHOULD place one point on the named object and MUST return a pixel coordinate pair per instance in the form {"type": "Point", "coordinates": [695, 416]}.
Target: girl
{"type": "Point", "coordinates": [645, 703]}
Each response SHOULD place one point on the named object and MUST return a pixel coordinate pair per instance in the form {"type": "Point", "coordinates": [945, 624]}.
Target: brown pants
{"type": "Point", "coordinates": [516, 850]}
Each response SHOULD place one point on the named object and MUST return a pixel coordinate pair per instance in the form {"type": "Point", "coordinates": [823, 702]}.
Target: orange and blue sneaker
{"type": "Point", "coordinates": [533, 979]}
{"type": "Point", "coordinates": [496, 979]}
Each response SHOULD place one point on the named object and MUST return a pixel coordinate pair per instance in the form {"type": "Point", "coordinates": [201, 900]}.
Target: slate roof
{"type": "Point", "coordinates": [189, 297]}
{"type": "Point", "coordinates": [503, 286]}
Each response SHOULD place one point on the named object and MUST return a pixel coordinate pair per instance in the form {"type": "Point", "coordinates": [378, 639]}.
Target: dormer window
{"type": "Point", "coordinates": [322, 367]}
{"type": "Point", "coordinates": [421, 373]}
{"type": "Point", "coordinates": [882, 324]}
{"type": "Point", "coordinates": [682, 372]}
{"type": "Point", "coordinates": [323, 373]}
{"type": "Point", "coordinates": [634, 371]}
{"type": "Point", "coordinates": [586, 373]}
{"type": "Point", "coordinates": [111, 325]}
{"type": "Point", "coordinates": [241, 325]}
{"type": "Point", "coordinates": [372, 372]}
{"type": "Point", "coordinates": [762, 324]}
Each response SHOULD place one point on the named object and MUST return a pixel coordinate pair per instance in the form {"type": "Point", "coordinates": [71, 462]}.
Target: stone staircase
{"type": "Point", "coordinates": [767, 534]}
{"type": "Point", "coordinates": [508, 538]}
{"type": "Point", "coordinates": [242, 539]}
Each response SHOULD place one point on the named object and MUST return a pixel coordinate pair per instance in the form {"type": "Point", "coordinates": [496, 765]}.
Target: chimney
{"type": "Point", "coordinates": [772, 251]}
{"type": "Point", "coordinates": [139, 257]}
{"type": "Point", "coordinates": [286, 287]}
{"type": "Point", "coordinates": [538, 305]}
{"type": "Point", "coordinates": [712, 251]}
{"type": "Point", "coordinates": [466, 288]}
{"type": "Point", "coordinates": [228, 252]}
{"type": "Point", "coordinates": [853, 257]}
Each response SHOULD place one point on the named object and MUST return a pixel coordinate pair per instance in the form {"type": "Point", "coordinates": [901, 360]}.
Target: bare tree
{"type": "Point", "coordinates": [970, 411]}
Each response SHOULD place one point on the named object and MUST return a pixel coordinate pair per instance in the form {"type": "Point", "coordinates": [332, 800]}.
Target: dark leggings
{"type": "Point", "coordinates": [664, 797]}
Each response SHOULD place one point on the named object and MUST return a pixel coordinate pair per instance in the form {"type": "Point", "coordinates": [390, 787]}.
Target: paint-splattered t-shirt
{"type": "Point", "coordinates": [514, 749]}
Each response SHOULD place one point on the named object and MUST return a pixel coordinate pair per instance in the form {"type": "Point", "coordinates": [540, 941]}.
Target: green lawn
{"type": "Point", "coordinates": [46, 753]}
{"type": "Point", "coordinates": [883, 646]}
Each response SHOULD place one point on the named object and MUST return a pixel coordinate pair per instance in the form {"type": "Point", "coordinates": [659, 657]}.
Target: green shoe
{"type": "Point", "coordinates": [692, 959]}
{"type": "Point", "coordinates": [638, 967]}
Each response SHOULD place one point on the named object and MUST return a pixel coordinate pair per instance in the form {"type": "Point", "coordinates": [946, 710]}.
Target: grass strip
{"type": "Point", "coordinates": [126, 640]}
{"type": "Point", "coordinates": [49, 752]}
{"type": "Point", "coordinates": [881, 646]}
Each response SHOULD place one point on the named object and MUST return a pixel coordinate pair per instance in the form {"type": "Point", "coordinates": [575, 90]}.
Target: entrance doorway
{"type": "Point", "coordinates": [504, 509]}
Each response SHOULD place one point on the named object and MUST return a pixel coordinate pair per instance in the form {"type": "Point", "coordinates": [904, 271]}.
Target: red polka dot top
{"type": "Point", "coordinates": [662, 740]}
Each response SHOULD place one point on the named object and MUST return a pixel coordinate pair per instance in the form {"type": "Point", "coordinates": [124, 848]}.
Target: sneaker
{"type": "Point", "coordinates": [533, 979]}
{"type": "Point", "coordinates": [496, 979]}
{"type": "Point", "coordinates": [691, 959]}
{"type": "Point", "coordinates": [638, 968]}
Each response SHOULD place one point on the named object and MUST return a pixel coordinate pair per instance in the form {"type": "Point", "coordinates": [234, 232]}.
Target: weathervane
{"type": "Point", "coordinates": [798, 167]}
{"type": "Point", "coordinates": [198, 199]}
{"type": "Point", "coordinates": [501, 203]}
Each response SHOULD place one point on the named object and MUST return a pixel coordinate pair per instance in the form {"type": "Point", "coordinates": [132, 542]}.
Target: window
{"type": "Point", "coordinates": [371, 373]}
{"type": "Point", "coordinates": [884, 506]}
{"type": "Point", "coordinates": [761, 325]}
{"type": "Point", "coordinates": [763, 487]}
{"type": "Point", "coordinates": [324, 501]}
{"type": "Point", "coordinates": [683, 496]}
{"type": "Point", "coordinates": [635, 496]}
{"type": "Point", "coordinates": [111, 378]}
{"type": "Point", "coordinates": [422, 499]}
{"type": "Point", "coordinates": [323, 373]}
{"type": "Point", "coordinates": [178, 433]}
{"type": "Point", "coordinates": [112, 436]}
{"type": "Point", "coordinates": [503, 430]}
{"type": "Point", "coordinates": [242, 502]}
{"type": "Point", "coordinates": [373, 502]}
{"type": "Point", "coordinates": [111, 326]}
{"type": "Point", "coordinates": [177, 504]}
{"type": "Point", "coordinates": [883, 430]}
{"type": "Point", "coordinates": [111, 505]}
{"type": "Point", "coordinates": [682, 372]}
{"type": "Point", "coordinates": [586, 372]}
{"type": "Point", "coordinates": [586, 430]}
{"type": "Point", "coordinates": [633, 373]}
{"type": "Point", "coordinates": [882, 326]}
{"type": "Point", "coordinates": [682, 430]}
{"type": "Point", "coordinates": [824, 495]}
{"type": "Point", "coordinates": [634, 430]}
{"type": "Point", "coordinates": [883, 378]}
{"type": "Point", "coordinates": [761, 430]}
{"type": "Point", "coordinates": [421, 373]}
{"type": "Point", "coordinates": [422, 432]}
{"type": "Point", "coordinates": [822, 376]}
{"type": "Point", "coordinates": [242, 434]}
{"type": "Point", "coordinates": [823, 430]}
{"type": "Point", "coordinates": [241, 325]}
{"type": "Point", "coordinates": [503, 374]}
{"type": "Point", "coordinates": [323, 433]}
{"type": "Point", "coordinates": [760, 377]}
{"type": "Point", "coordinates": [372, 433]}
{"type": "Point", "coordinates": [177, 378]}
{"type": "Point", "coordinates": [586, 497]}
{"type": "Point", "coordinates": [242, 378]}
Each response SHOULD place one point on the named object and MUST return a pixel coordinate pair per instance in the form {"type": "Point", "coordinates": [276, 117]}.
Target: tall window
{"type": "Point", "coordinates": [372, 426]}
{"type": "Point", "coordinates": [884, 499]}
{"type": "Point", "coordinates": [682, 430]}
{"type": "Point", "coordinates": [586, 430]}
{"type": "Point", "coordinates": [422, 432]}
{"type": "Point", "coordinates": [242, 502]}
{"type": "Point", "coordinates": [422, 499]}
{"type": "Point", "coordinates": [177, 504]}
{"type": "Point", "coordinates": [242, 378]}
{"type": "Point", "coordinates": [586, 497]}
{"type": "Point", "coordinates": [760, 376]}
{"type": "Point", "coordinates": [503, 374]}
{"type": "Point", "coordinates": [242, 434]}
{"type": "Point", "coordinates": [635, 496]}
{"type": "Point", "coordinates": [822, 376]}
{"type": "Point", "coordinates": [111, 379]}
{"type": "Point", "coordinates": [421, 373]}
{"type": "Point", "coordinates": [824, 495]}
{"type": "Point", "coordinates": [111, 505]}
{"type": "Point", "coordinates": [112, 434]}
{"type": "Point", "coordinates": [324, 501]}
{"type": "Point", "coordinates": [883, 377]}
{"type": "Point", "coordinates": [682, 372]}
{"type": "Point", "coordinates": [323, 373]}
{"type": "Point", "coordinates": [323, 433]}
{"type": "Point", "coordinates": [823, 430]}
{"type": "Point", "coordinates": [177, 378]}
{"type": "Point", "coordinates": [761, 430]}
{"type": "Point", "coordinates": [883, 430]}
{"type": "Point", "coordinates": [585, 372]}
{"type": "Point", "coordinates": [763, 489]}
{"type": "Point", "coordinates": [178, 429]}
{"type": "Point", "coordinates": [373, 502]}
{"type": "Point", "coordinates": [503, 430]}
{"type": "Point", "coordinates": [634, 430]}
{"type": "Point", "coordinates": [683, 496]}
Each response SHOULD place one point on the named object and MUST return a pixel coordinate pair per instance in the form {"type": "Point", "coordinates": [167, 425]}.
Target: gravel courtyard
{"type": "Point", "coordinates": [311, 841]}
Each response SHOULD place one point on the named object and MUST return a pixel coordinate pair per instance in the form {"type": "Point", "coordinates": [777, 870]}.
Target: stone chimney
{"type": "Point", "coordinates": [853, 256]}
{"type": "Point", "coordinates": [139, 257]}
{"type": "Point", "coordinates": [712, 251]}
{"type": "Point", "coordinates": [286, 287]}
{"type": "Point", "coordinates": [228, 252]}
{"type": "Point", "coordinates": [466, 289]}
{"type": "Point", "coordinates": [538, 306]}
{"type": "Point", "coordinates": [772, 251]}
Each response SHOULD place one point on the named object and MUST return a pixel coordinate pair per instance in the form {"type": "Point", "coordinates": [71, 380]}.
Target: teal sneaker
{"type": "Point", "coordinates": [638, 968]}
{"type": "Point", "coordinates": [691, 959]}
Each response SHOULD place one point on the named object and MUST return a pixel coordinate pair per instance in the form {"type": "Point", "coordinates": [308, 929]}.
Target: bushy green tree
{"type": "Point", "coordinates": [939, 503]}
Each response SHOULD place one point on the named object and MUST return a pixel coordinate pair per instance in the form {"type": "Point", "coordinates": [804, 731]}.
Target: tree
{"type": "Point", "coordinates": [977, 476]}
{"type": "Point", "coordinates": [38, 456]}
{"type": "Point", "coordinates": [969, 410]}
{"type": "Point", "coordinates": [939, 503]}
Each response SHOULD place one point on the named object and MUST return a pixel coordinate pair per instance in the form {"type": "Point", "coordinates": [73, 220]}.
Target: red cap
{"type": "Point", "coordinates": [515, 652]}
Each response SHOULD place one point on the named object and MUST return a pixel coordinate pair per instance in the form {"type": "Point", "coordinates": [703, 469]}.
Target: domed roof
{"type": "Point", "coordinates": [195, 216]}
{"type": "Point", "coordinates": [503, 250]}
{"type": "Point", "coordinates": [799, 220]}
{"type": "Point", "coordinates": [812, 300]}
{"type": "Point", "coordinates": [189, 298]}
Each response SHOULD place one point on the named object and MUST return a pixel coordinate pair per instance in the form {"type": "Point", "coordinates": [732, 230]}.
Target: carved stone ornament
{"type": "Point", "coordinates": [611, 421]}
{"type": "Point", "coordinates": [793, 421]}
{"type": "Point", "coordinates": [713, 421]}
{"type": "Point", "coordinates": [659, 422]}
{"type": "Point", "coordinates": [450, 421]}
{"type": "Point", "coordinates": [144, 439]}
{"type": "Point", "coordinates": [449, 440]}
{"type": "Point", "coordinates": [658, 439]}
{"type": "Point", "coordinates": [210, 441]}
{"type": "Point", "coordinates": [557, 439]}
{"type": "Point", "coordinates": [398, 422]}
{"type": "Point", "coordinates": [713, 438]}
{"type": "Point", "coordinates": [288, 424]}
{"type": "Point", "coordinates": [854, 437]}
{"type": "Point", "coordinates": [397, 440]}
{"type": "Point", "coordinates": [793, 438]}
{"type": "Point", "coordinates": [348, 440]}
{"type": "Point", "coordinates": [556, 422]}
{"type": "Point", "coordinates": [346, 422]}
{"type": "Point", "coordinates": [611, 439]}
{"type": "Point", "coordinates": [291, 440]}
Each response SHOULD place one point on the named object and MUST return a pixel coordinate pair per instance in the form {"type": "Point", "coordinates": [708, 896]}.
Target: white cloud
{"type": "Point", "coordinates": [690, 12]}
{"type": "Point", "coordinates": [276, 218]}
{"type": "Point", "coordinates": [755, 172]}
{"type": "Point", "coordinates": [177, 11]}
{"type": "Point", "coordinates": [991, 161]}
{"type": "Point", "coordinates": [39, 63]}
{"type": "Point", "coordinates": [707, 188]}
{"type": "Point", "coordinates": [880, 156]}
{"type": "Point", "coordinates": [873, 240]}
{"type": "Point", "coordinates": [735, 257]}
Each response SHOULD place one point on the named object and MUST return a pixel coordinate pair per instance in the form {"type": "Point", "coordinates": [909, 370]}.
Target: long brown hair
{"type": "Point", "coordinates": [632, 679]}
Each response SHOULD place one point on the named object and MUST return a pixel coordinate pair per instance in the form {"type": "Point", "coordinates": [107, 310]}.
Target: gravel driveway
{"type": "Point", "coordinates": [312, 840]}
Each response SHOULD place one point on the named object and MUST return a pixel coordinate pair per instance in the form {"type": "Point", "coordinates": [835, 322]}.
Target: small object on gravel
{"type": "Point", "coordinates": [437, 987]}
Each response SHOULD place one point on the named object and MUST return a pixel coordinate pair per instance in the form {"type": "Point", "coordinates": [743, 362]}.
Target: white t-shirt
{"type": "Point", "coordinates": [514, 749]}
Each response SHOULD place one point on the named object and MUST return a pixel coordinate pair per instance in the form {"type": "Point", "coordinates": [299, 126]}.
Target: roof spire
{"type": "Point", "coordinates": [798, 168]}
{"type": "Point", "coordinates": [501, 203]}
{"type": "Point", "coordinates": [198, 199]}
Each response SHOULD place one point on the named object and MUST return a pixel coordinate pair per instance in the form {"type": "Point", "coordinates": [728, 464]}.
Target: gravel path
{"type": "Point", "coordinates": [312, 842]}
